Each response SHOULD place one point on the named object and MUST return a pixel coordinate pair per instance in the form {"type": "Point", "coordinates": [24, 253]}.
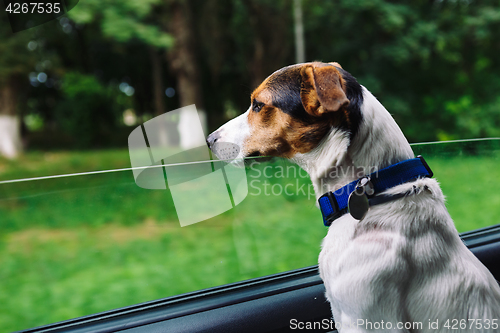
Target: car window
{"type": "Point", "coordinates": [87, 226]}
{"type": "Point", "coordinates": [76, 242]}
{"type": "Point", "coordinates": [465, 168]}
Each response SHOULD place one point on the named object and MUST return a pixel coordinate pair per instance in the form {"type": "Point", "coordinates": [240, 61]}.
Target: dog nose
{"type": "Point", "coordinates": [212, 138]}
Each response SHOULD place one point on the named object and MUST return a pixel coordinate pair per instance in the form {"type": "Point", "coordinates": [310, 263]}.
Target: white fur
{"type": "Point", "coordinates": [404, 262]}
{"type": "Point", "coordinates": [236, 131]}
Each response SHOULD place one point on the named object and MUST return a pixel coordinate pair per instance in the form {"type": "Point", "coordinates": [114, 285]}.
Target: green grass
{"type": "Point", "coordinates": [471, 197]}
{"type": "Point", "coordinates": [79, 245]}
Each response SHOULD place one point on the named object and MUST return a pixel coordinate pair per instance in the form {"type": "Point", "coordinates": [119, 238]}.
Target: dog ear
{"type": "Point", "coordinates": [321, 90]}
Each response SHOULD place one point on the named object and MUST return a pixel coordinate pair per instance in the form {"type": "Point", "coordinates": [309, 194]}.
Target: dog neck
{"type": "Point", "coordinates": [338, 160]}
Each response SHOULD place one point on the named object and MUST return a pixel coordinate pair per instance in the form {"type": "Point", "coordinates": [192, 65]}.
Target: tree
{"type": "Point", "coordinates": [182, 57]}
{"type": "Point", "coordinates": [15, 64]}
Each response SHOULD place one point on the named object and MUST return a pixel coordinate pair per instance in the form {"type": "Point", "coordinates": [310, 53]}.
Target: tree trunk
{"type": "Point", "coordinates": [167, 132]}
{"type": "Point", "coordinates": [270, 39]}
{"type": "Point", "coordinates": [158, 88]}
{"type": "Point", "coordinates": [183, 62]}
{"type": "Point", "coordinates": [182, 58]}
{"type": "Point", "coordinates": [10, 133]}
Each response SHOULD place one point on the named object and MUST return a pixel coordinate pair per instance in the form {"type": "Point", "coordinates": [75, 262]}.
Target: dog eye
{"type": "Point", "coordinates": [257, 106]}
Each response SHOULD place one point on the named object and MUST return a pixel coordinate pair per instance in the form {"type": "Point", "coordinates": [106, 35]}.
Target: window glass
{"type": "Point", "coordinates": [76, 245]}
{"type": "Point", "coordinates": [467, 171]}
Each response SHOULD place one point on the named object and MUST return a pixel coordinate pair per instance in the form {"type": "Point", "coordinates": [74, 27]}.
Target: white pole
{"type": "Point", "coordinates": [10, 136]}
{"type": "Point", "coordinates": [300, 50]}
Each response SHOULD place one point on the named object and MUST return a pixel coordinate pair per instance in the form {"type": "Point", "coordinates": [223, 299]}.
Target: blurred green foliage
{"type": "Point", "coordinates": [13, 56]}
{"type": "Point", "coordinates": [87, 109]}
{"type": "Point", "coordinates": [123, 20]}
{"type": "Point", "coordinates": [433, 64]}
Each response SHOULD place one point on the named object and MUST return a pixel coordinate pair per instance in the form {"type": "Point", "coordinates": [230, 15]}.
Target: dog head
{"type": "Point", "coordinates": [293, 110]}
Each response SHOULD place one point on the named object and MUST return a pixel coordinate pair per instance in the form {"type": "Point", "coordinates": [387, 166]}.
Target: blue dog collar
{"type": "Point", "coordinates": [335, 204]}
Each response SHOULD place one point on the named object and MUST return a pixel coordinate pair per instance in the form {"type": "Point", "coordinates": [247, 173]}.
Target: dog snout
{"type": "Point", "coordinates": [212, 138]}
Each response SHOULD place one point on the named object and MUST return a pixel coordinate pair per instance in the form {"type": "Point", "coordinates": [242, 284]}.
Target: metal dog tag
{"type": "Point", "coordinates": [358, 205]}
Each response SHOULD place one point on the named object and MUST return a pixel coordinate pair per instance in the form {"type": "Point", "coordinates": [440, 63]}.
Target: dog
{"type": "Point", "coordinates": [398, 267]}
